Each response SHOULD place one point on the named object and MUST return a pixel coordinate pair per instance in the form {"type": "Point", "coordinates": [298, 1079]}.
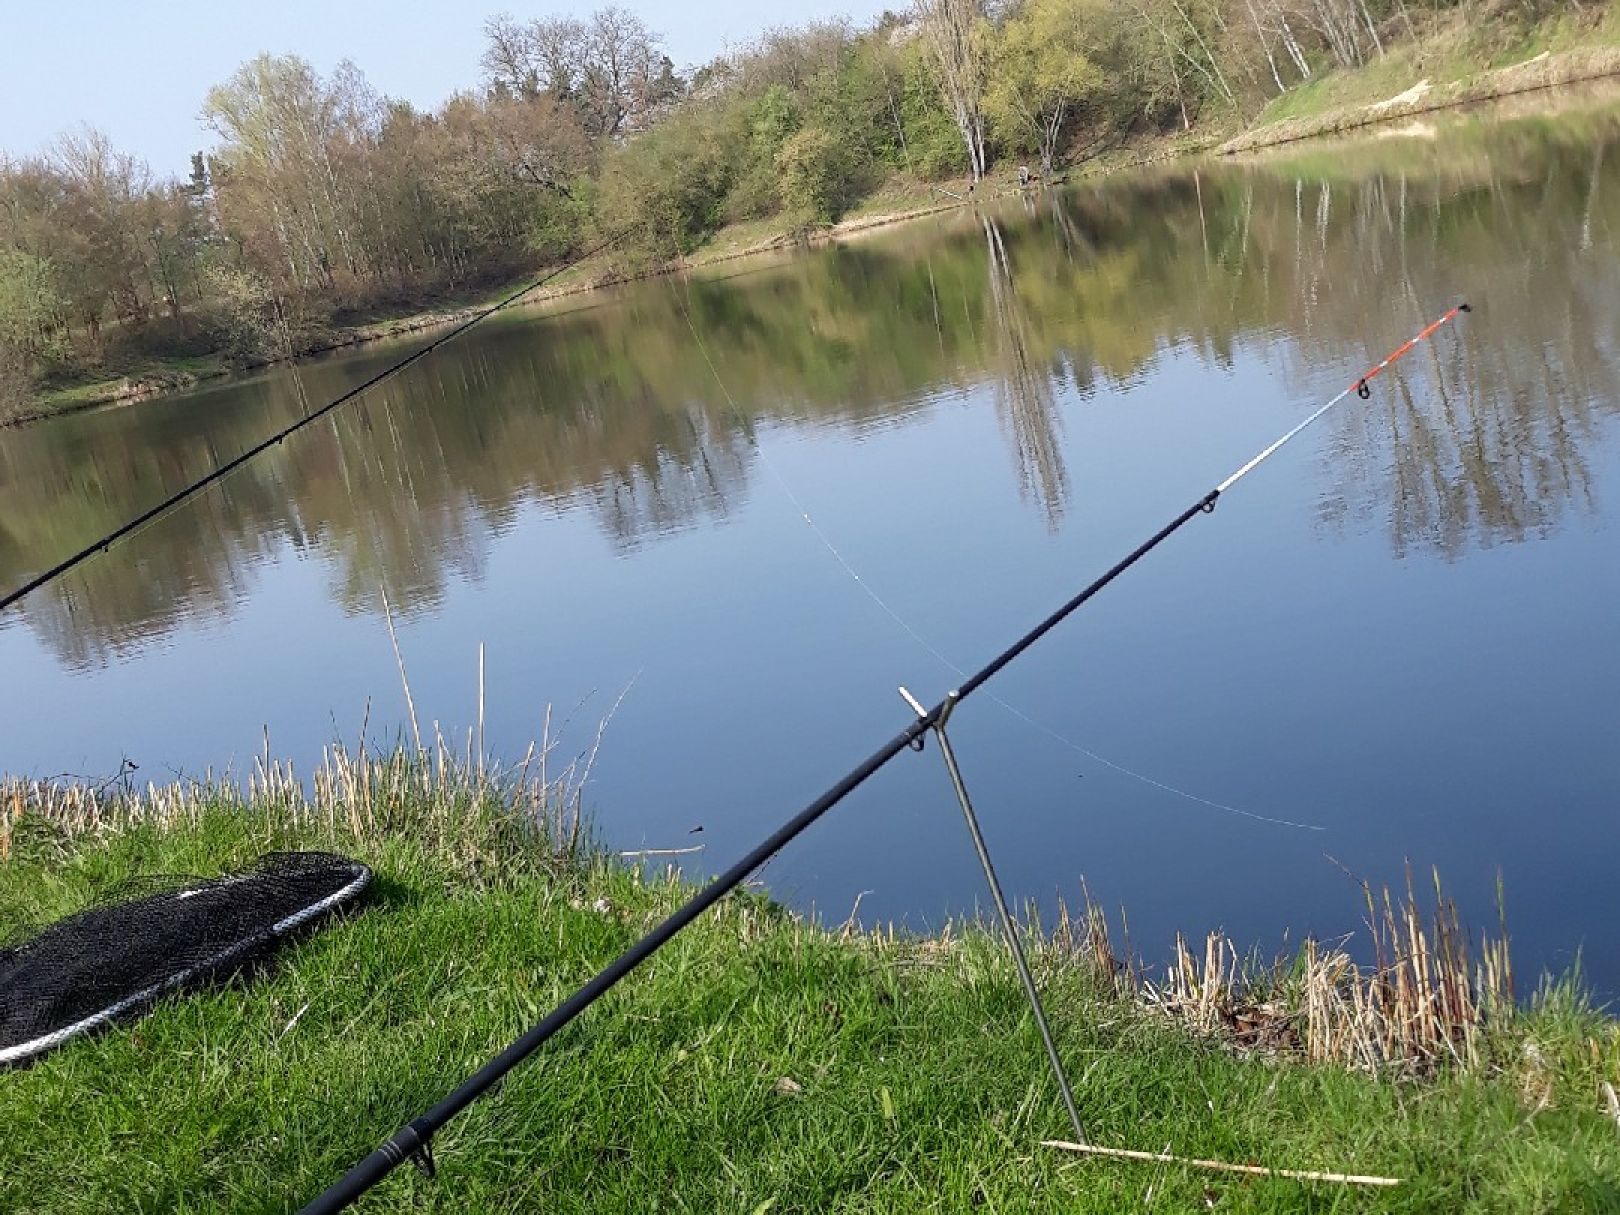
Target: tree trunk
{"type": "Point", "coordinates": [951, 32]}
{"type": "Point", "coordinates": [899, 127]}
{"type": "Point", "coordinates": [1049, 138]}
{"type": "Point", "coordinates": [1291, 44]}
{"type": "Point", "coordinates": [1371, 28]}
{"type": "Point", "coordinates": [1265, 45]}
{"type": "Point", "coordinates": [1214, 74]}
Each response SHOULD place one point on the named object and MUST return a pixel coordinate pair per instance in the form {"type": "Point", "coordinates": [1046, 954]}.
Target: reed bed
{"type": "Point", "coordinates": [440, 797]}
{"type": "Point", "coordinates": [1419, 997]}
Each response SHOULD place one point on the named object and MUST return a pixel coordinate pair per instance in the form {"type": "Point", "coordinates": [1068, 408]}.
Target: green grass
{"type": "Point", "coordinates": [101, 387]}
{"type": "Point", "coordinates": [1382, 78]}
{"type": "Point", "coordinates": [1455, 54]}
{"type": "Point", "coordinates": [920, 1083]}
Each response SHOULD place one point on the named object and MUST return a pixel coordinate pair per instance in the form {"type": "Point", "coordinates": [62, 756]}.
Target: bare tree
{"type": "Point", "coordinates": [1265, 45]}
{"type": "Point", "coordinates": [1195, 54]}
{"type": "Point", "coordinates": [558, 48]}
{"type": "Point", "coordinates": [611, 68]}
{"type": "Point", "coordinates": [539, 142]}
{"type": "Point", "coordinates": [1337, 22]}
{"type": "Point", "coordinates": [620, 58]}
{"type": "Point", "coordinates": [510, 61]}
{"type": "Point", "coordinates": [957, 34]}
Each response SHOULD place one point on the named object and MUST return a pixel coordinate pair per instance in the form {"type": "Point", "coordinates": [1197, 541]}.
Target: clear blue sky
{"type": "Point", "coordinates": [138, 69]}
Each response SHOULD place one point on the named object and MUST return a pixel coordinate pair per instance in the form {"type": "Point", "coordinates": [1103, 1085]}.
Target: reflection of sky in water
{"type": "Point", "coordinates": [1402, 630]}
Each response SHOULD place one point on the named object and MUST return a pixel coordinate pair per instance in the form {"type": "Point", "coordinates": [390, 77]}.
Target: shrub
{"type": "Point", "coordinates": [814, 177]}
{"type": "Point", "coordinates": [666, 190]}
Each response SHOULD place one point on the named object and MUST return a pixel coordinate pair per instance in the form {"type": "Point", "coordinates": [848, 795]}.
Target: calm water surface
{"type": "Point", "coordinates": [1403, 631]}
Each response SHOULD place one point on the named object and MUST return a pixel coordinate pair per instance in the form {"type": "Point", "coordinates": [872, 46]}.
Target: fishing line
{"type": "Point", "coordinates": [915, 635]}
{"type": "Point", "coordinates": [222, 471]}
{"type": "Point", "coordinates": [414, 1140]}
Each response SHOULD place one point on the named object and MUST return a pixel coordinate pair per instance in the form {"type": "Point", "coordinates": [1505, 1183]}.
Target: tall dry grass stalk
{"type": "Point", "coordinates": [1419, 998]}
{"type": "Point", "coordinates": [446, 801]}
{"type": "Point", "coordinates": [460, 805]}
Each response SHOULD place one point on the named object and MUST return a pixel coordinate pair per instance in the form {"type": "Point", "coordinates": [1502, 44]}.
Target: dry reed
{"type": "Point", "coordinates": [1418, 999]}
{"type": "Point", "coordinates": [447, 802]}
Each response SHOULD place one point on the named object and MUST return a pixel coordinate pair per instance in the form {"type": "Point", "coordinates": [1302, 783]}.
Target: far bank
{"type": "Point", "coordinates": [1444, 71]}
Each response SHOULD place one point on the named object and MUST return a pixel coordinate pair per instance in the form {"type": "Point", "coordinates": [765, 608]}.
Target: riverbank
{"type": "Point", "coordinates": [1308, 117]}
{"type": "Point", "coordinates": [895, 203]}
{"type": "Point", "coordinates": [761, 1062]}
{"type": "Point", "coordinates": [1450, 67]}
{"type": "Point", "coordinates": [154, 377]}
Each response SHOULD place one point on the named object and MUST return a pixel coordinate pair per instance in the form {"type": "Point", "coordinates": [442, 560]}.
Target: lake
{"type": "Point", "coordinates": [744, 505]}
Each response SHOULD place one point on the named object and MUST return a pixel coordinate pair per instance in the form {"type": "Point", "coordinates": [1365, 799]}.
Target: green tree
{"type": "Point", "coordinates": [292, 164]}
{"type": "Point", "coordinates": [30, 308]}
{"type": "Point", "coordinates": [771, 119]}
{"type": "Point", "coordinates": [30, 332]}
{"type": "Point", "coordinates": [933, 146]}
{"type": "Point", "coordinates": [814, 175]}
{"type": "Point", "coordinates": [1042, 71]}
{"type": "Point", "coordinates": [666, 191]}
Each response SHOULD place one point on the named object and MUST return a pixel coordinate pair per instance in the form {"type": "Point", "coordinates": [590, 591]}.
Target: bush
{"type": "Point", "coordinates": [771, 120]}
{"type": "Point", "coordinates": [558, 226]}
{"type": "Point", "coordinates": [666, 190]}
{"type": "Point", "coordinates": [813, 176]}
{"type": "Point", "coordinates": [241, 314]}
{"type": "Point", "coordinates": [933, 143]}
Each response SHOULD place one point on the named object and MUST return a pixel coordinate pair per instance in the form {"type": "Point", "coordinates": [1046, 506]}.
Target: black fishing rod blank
{"type": "Point", "coordinates": [413, 1141]}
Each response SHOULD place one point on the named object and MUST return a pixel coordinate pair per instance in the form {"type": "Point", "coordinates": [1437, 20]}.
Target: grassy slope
{"type": "Point", "coordinates": [1458, 62]}
{"type": "Point", "coordinates": [921, 1075]}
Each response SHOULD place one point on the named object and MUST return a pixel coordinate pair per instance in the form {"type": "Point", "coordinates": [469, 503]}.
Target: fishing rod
{"type": "Point", "coordinates": [222, 471]}
{"type": "Point", "coordinates": [905, 626]}
{"type": "Point", "coordinates": [413, 1141]}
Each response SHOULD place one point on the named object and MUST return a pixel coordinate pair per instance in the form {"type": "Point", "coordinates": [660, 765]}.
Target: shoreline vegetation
{"type": "Point", "coordinates": [763, 1060]}
{"type": "Point", "coordinates": [367, 220]}
{"type": "Point", "coordinates": [593, 274]}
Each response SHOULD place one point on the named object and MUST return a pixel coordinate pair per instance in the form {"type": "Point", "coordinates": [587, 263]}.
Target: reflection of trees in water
{"type": "Point", "coordinates": [418, 483]}
{"type": "Point", "coordinates": [1474, 450]}
{"type": "Point", "coordinates": [673, 488]}
{"type": "Point", "coordinates": [1323, 264]}
{"type": "Point", "coordinates": [1481, 437]}
{"type": "Point", "coordinates": [93, 616]}
{"type": "Point", "coordinates": [403, 491]}
{"type": "Point", "coordinates": [1023, 389]}
{"type": "Point", "coordinates": [176, 569]}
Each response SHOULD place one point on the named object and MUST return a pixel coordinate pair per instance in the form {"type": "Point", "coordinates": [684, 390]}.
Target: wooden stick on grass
{"type": "Point", "coordinates": [1254, 1170]}
{"type": "Point", "coordinates": [663, 851]}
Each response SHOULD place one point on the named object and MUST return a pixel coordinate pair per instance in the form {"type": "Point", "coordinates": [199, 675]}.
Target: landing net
{"type": "Point", "coordinates": [114, 959]}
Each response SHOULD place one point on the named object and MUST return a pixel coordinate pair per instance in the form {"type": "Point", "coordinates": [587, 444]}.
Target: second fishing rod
{"type": "Point", "coordinates": [413, 1141]}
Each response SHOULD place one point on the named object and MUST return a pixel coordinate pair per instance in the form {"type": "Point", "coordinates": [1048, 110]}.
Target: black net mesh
{"type": "Point", "coordinates": [115, 958]}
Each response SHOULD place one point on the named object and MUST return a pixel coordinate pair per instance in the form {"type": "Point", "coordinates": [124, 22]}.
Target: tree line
{"type": "Point", "coordinates": [324, 200]}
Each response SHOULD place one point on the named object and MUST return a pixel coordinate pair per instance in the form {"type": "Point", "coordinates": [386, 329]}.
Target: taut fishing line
{"type": "Point", "coordinates": [905, 625]}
